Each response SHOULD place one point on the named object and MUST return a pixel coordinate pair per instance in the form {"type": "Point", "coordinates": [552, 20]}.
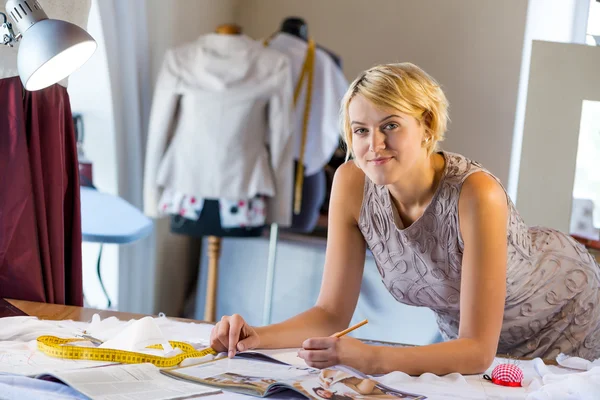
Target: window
{"type": "Point", "coordinates": [593, 25]}
{"type": "Point", "coordinates": [585, 218]}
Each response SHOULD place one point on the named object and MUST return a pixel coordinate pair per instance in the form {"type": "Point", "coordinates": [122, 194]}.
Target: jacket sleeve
{"type": "Point", "coordinates": [281, 146]}
{"type": "Point", "coordinates": [160, 127]}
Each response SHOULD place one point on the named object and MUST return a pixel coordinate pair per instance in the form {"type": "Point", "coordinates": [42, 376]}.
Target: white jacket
{"type": "Point", "coordinates": [220, 125]}
{"type": "Point", "coordinates": [329, 87]}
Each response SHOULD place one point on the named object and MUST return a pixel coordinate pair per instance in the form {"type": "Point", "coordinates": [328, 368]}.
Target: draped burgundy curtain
{"type": "Point", "coordinates": [40, 218]}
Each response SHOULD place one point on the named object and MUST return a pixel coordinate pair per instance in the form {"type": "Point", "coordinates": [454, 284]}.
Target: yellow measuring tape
{"type": "Point", "coordinates": [307, 74]}
{"type": "Point", "coordinates": [56, 347]}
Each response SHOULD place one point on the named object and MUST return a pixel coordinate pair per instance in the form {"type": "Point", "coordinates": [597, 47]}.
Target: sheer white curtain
{"type": "Point", "coordinates": [125, 27]}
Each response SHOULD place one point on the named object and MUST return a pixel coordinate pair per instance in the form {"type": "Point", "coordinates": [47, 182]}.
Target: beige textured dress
{"type": "Point", "coordinates": [552, 284]}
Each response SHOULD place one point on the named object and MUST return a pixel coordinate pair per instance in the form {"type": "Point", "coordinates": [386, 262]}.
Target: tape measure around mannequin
{"type": "Point", "coordinates": [307, 74]}
{"type": "Point", "coordinates": [56, 347]}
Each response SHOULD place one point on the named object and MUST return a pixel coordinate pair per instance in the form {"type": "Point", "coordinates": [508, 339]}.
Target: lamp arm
{"type": "Point", "coordinates": [6, 30]}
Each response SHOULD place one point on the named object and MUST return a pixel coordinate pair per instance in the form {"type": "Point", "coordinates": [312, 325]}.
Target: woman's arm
{"type": "Point", "coordinates": [483, 215]}
{"type": "Point", "coordinates": [342, 276]}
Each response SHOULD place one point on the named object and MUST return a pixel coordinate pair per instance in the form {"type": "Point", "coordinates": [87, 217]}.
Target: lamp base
{"type": "Point", "coordinates": [6, 30]}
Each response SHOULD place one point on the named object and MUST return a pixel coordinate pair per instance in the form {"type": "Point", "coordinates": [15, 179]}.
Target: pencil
{"type": "Point", "coordinates": [353, 327]}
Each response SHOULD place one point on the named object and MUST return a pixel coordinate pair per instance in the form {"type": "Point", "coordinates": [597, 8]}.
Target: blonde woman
{"type": "Point", "coordinates": [444, 235]}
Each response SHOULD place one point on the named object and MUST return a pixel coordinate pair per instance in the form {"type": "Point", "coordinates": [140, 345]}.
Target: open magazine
{"type": "Point", "coordinates": [260, 378]}
{"type": "Point", "coordinates": [126, 382]}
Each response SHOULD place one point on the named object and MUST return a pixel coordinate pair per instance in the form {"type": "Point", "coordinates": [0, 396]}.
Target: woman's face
{"type": "Point", "coordinates": [386, 142]}
{"type": "Point", "coordinates": [326, 394]}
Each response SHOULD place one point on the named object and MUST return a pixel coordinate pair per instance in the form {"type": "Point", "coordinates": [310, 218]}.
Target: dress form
{"type": "Point", "coordinates": [214, 242]}
{"type": "Point", "coordinates": [229, 83]}
{"type": "Point", "coordinates": [297, 26]}
{"type": "Point", "coordinates": [314, 187]}
{"type": "Point", "coordinates": [74, 11]}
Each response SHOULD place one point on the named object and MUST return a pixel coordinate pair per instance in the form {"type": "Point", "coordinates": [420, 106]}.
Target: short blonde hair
{"type": "Point", "coordinates": [406, 88]}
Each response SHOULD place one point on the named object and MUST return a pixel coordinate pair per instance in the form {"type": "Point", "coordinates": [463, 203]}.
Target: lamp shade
{"type": "Point", "coordinates": [50, 51]}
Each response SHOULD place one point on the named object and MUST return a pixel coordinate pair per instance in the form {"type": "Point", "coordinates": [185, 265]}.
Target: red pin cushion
{"type": "Point", "coordinates": [506, 375]}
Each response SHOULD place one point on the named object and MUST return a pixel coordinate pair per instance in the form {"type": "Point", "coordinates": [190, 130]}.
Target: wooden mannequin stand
{"type": "Point", "coordinates": [214, 252]}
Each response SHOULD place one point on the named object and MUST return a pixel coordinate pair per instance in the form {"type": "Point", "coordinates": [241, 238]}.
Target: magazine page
{"type": "Point", "coordinates": [265, 378]}
{"type": "Point", "coordinates": [128, 382]}
{"type": "Point", "coordinates": [283, 356]}
{"type": "Point", "coordinates": [344, 383]}
{"type": "Point", "coordinates": [247, 376]}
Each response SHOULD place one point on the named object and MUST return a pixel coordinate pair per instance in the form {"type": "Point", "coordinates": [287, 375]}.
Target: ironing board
{"type": "Point", "coordinates": [109, 219]}
{"type": "Point", "coordinates": [106, 218]}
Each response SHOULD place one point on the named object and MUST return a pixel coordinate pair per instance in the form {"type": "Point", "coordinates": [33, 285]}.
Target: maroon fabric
{"type": "Point", "coordinates": [40, 214]}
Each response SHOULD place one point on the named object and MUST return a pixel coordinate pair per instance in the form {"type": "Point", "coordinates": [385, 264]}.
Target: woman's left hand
{"type": "Point", "coordinates": [329, 351]}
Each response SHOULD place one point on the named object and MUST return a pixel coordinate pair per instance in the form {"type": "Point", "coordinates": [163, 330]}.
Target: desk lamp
{"type": "Point", "coordinates": [50, 49]}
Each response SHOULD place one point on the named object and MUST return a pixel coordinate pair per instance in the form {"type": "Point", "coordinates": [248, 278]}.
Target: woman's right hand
{"type": "Point", "coordinates": [233, 334]}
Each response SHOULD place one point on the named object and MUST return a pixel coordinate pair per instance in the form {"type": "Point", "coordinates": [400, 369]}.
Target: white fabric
{"type": "Point", "coordinates": [18, 337]}
{"type": "Point", "coordinates": [541, 382]}
{"type": "Point", "coordinates": [581, 386]}
{"type": "Point", "coordinates": [249, 213]}
{"type": "Point", "coordinates": [565, 384]}
{"type": "Point", "coordinates": [74, 11]}
{"type": "Point", "coordinates": [25, 329]}
{"type": "Point", "coordinates": [137, 336]}
{"type": "Point", "coordinates": [220, 125]}
{"type": "Point", "coordinates": [232, 213]}
{"type": "Point", "coordinates": [177, 203]}
{"type": "Point", "coordinates": [194, 333]}
{"type": "Point", "coordinates": [18, 346]}
{"type": "Point", "coordinates": [329, 87]}
{"type": "Point", "coordinates": [576, 362]}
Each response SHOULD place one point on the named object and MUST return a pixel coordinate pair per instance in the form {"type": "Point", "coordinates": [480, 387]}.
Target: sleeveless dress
{"type": "Point", "coordinates": [552, 282]}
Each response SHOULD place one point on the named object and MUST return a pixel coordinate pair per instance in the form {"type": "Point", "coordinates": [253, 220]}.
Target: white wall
{"type": "Point", "coordinates": [90, 93]}
{"type": "Point", "coordinates": [561, 77]}
{"type": "Point", "coordinates": [472, 47]}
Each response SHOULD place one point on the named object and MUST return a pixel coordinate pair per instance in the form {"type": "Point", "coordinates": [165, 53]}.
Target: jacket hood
{"type": "Point", "coordinates": [226, 60]}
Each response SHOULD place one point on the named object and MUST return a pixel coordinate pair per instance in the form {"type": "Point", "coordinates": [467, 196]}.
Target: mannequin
{"type": "Point", "coordinates": [219, 151]}
{"type": "Point", "coordinates": [314, 186]}
{"type": "Point", "coordinates": [297, 26]}
{"type": "Point", "coordinates": [228, 29]}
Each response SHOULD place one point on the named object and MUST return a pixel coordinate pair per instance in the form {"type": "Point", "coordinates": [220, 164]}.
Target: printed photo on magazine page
{"type": "Point", "coordinates": [343, 384]}
{"type": "Point", "coordinates": [262, 379]}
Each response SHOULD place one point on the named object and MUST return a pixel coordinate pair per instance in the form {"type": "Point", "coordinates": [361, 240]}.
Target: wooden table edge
{"type": "Point", "coordinates": [58, 312]}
